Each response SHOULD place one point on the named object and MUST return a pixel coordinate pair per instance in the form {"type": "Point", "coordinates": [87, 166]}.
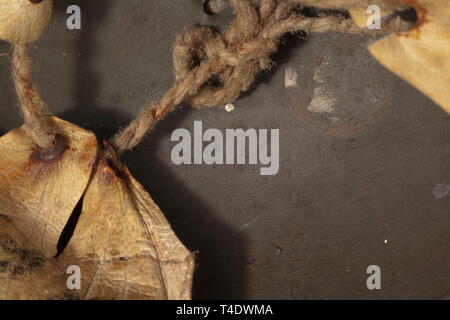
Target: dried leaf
{"type": "Point", "coordinates": [25, 273]}
{"type": "Point", "coordinates": [421, 56]}
{"type": "Point", "coordinates": [122, 243]}
{"type": "Point", "coordinates": [39, 196]}
{"type": "Point", "coordinates": [23, 21]}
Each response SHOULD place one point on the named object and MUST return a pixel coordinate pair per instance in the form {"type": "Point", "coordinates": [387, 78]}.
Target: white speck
{"type": "Point", "coordinates": [290, 78]}
{"type": "Point", "coordinates": [385, 241]}
{"type": "Point", "coordinates": [441, 190]}
{"type": "Point", "coordinates": [229, 107]}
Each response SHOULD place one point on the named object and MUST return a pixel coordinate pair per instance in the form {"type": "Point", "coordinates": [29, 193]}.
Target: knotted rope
{"type": "Point", "coordinates": [233, 59]}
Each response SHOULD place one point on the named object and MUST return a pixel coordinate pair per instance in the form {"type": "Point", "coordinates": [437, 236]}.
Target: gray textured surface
{"type": "Point", "coordinates": [310, 231]}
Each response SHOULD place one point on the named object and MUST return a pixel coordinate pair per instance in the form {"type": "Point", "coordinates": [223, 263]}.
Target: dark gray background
{"type": "Point", "coordinates": [312, 230]}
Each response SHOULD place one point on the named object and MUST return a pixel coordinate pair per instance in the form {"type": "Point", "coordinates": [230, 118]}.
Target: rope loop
{"type": "Point", "coordinates": [242, 48]}
{"type": "Point", "coordinates": [241, 65]}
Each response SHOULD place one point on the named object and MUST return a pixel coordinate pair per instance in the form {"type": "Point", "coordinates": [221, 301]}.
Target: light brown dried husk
{"type": "Point", "coordinates": [124, 245]}
{"type": "Point", "coordinates": [38, 196]}
{"type": "Point", "coordinates": [25, 274]}
{"type": "Point", "coordinates": [122, 242]}
{"type": "Point", "coordinates": [22, 21]}
{"type": "Point", "coordinates": [420, 57]}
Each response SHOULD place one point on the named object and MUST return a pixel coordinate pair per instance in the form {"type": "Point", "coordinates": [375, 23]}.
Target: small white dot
{"type": "Point", "coordinates": [229, 107]}
{"type": "Point", "coordinates": [385, 241]}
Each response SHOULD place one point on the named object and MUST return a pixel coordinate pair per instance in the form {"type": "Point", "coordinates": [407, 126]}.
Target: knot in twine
{"type": "Point", "coordinates": [211, 68]}
{"type": "Point", "coordinates": [237, 64]}
{"type": "Point", "coordinates": [232, 60]}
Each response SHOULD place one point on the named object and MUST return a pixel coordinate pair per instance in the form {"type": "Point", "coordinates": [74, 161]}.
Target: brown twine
{"type": "Point", "coordinates": [235, 58]}
{"type": "Point", "coordinates": [32, 107]}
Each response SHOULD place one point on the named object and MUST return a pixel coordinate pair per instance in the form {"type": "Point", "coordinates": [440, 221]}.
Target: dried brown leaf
{"type": "Point", "coordinates": [39, 196]}
{"type": "Point", "coordinates": [421, 56]}
{"type": "Point", "coordinates": [25, 273]}
{"type": "Point", "coordinates": [123, 244]}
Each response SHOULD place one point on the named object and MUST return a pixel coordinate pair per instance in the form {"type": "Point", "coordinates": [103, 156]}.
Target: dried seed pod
{"type": "Point", "coordinates": [39, 195]}
{"type": "Point", "coordinates": [23, 21]}
{"type": "Point", "coordinates": [421, 55]}
{"type": "Point", "coordinates": [122, 243]}
{"type": "Point", "coordinates": [25, 274]}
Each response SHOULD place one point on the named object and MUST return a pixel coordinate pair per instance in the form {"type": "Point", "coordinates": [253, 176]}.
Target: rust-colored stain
{"type": "Point", "coordinates": [109, 165]}
{"type": "Point", "coordinates": [298, 103]}
{"type": "Point", "coordinates": [352, 128]}
{"type": "Point", "coordinates": [421, 13]}
{"type": "Point", "coordinates": [347, 129]}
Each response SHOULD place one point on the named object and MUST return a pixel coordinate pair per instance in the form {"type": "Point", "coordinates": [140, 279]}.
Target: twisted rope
{"type": "Point", "coordinates": [32, 107]}
{"type": "Point", "coordinates": [233, 59]}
